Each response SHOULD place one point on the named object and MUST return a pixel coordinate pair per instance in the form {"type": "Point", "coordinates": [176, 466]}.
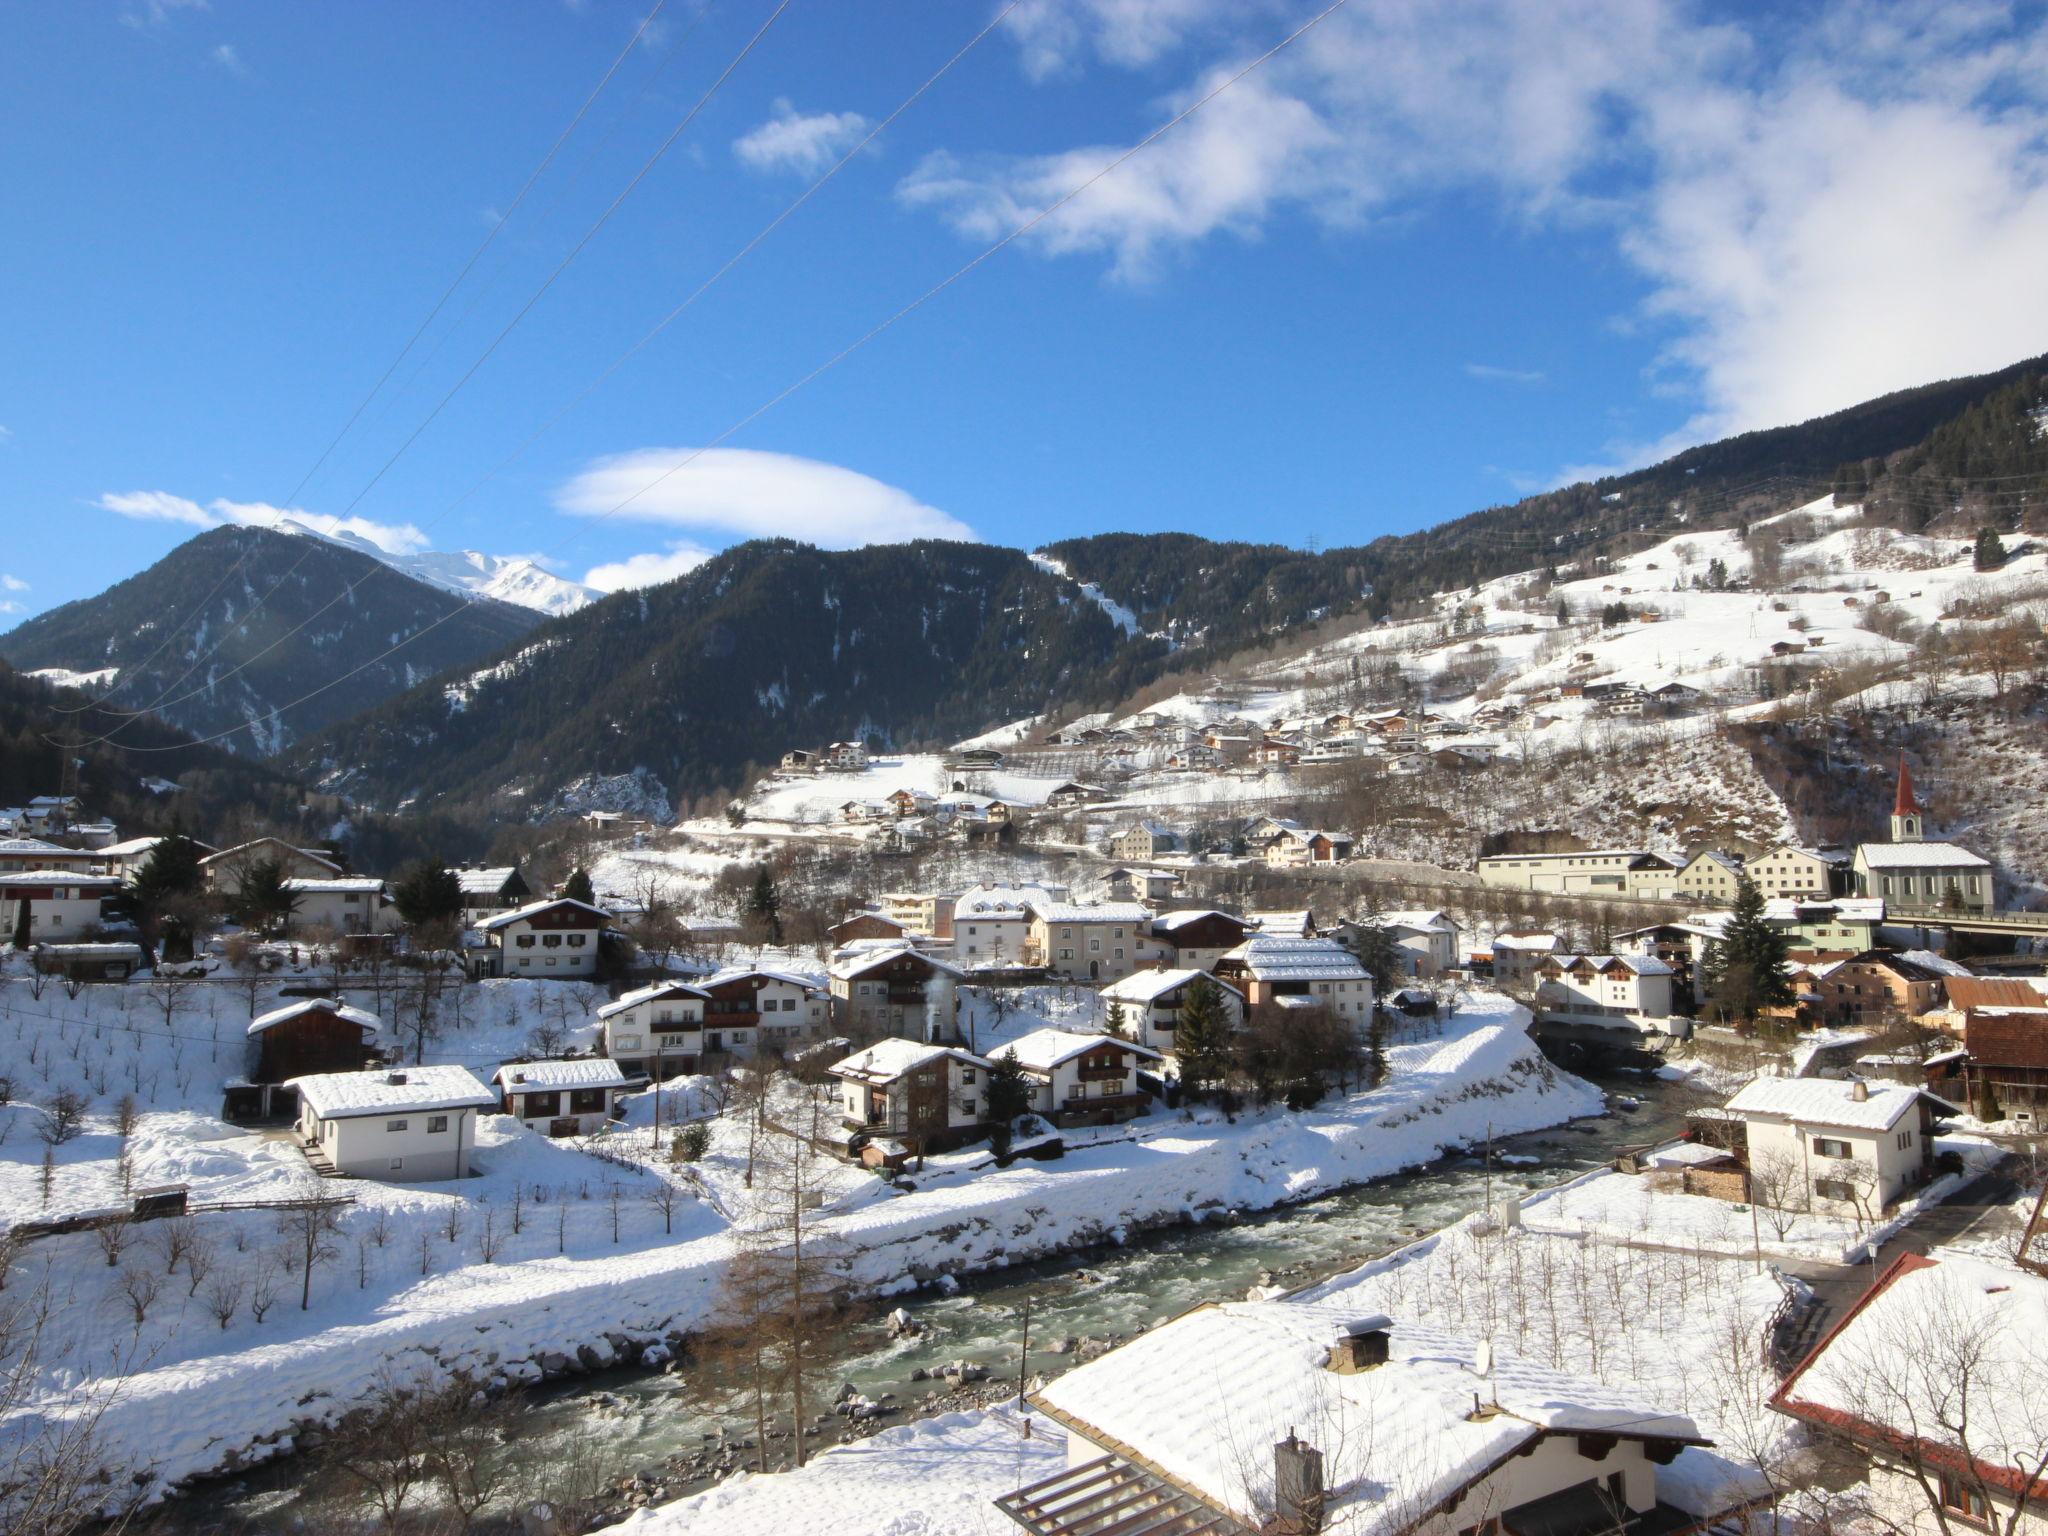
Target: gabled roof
{"type": "Point", "coordinates": [1148, 986]}
{"type": "Point", "coordinates": [362, 885]}
{"type": "Point", "coordinates": [305, 1005]}
{"type": "Point", "coordinates": [273, 842]}
{"type": "Point", "coordinates": [1919, 856]}
{"type": "Point", "coordinates": [1275, 957]}
{"type": "Point", "coordinates": [1995, 992]}
{"type": "Point", "coordinates": [648, 994]}
{"type": "Point", "coordinates": [1831, 1101]}
{"type": "Point", "coordinates": [1043, 1049]}
{"type": "Point", "coordinates": [533, 908]}
{"type": "Point", "coordinates": [1166, 924]}
{"type": "Point", "coordinates": [1089, 912]}
{"type": "Point", "coordinates": [485, 882]}
{"type": "Point", "coordinates": [352, 1095]}
{"type": "Point", "coordinates": [858, 963]}
{"type": "Point", "coordinates": [540, 1076]}
{"type": "Point", "coordinates": [887, 1060]}
{"type": "Point", "coordinates": [38, 877]}
{"type": "Point", "coordinates": [1431, 921]}
{"type": "Point", "coordinates": [1526, 943]}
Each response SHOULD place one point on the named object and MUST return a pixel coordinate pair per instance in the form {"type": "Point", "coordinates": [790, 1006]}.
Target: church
{"type": "Point", "coordinates": [1911, 873]}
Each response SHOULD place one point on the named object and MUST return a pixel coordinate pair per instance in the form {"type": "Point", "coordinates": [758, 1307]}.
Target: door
{"type": "Point", "coordinates": [1094, 969]}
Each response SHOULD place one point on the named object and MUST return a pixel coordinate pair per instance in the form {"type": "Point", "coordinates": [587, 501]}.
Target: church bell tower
{"type": "Point", "coordinates": [1906, 823]}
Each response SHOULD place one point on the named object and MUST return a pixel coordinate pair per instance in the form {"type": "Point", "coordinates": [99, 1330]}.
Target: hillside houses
{"type": "Point", "coordinates": [1152, 1002]}
{"type": "Point", "coordinates": [1088, 941]}
{"type": "Point", "coordinates": [1273, 970]}
{"type": "Point", "coordinates": [1142, 840]}
{"type": "Point", "coordinates": [1082, 1079]}
{"type": "Point", "coordinates": [1195, 940]}
{"type": "Point", "coordinates": [1599, 989]}
{"type": "Point", "coordinates": [558, 938]}
{"type": "Point", "coordinates": [922, 1097]}
{"type": "Point", "coordinates": [896, 991]}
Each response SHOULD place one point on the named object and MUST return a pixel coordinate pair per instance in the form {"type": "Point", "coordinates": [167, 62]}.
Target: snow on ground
{"type": "Point", "coordinates": [937, 1477]}
{"type": "Point", "coordinates": [62, 677]}
{"type": "Point", "coordinates": [809, 799]}
{"type": "Point", "coordinates": [1119, 615]}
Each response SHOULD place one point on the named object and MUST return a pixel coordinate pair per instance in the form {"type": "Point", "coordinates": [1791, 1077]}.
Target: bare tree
{"type": "Point", "coordinates": [263, 1287]}
{"type": "Point", "coordinates": [56, 1478]}
{"type": "Point", "coordinates": [113, 1236]}
{"type": "Point", "coordinates": [224, 1293]}
{"type": "Point", "coordinates": [309, 1232]}
{"type": "Point", "coordinates": [174, 1241]}
{"type": "Point", "coordinates": [63, 1117]}
{"type": "Point", "coordinates": [1778, 1189]}
{"type": "Point", "coordinates": [139, 1287]}
{"type": "Point", "coordinates": [664, 1197]}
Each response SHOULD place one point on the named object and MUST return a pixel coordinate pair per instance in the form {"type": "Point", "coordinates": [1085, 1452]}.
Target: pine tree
{"type": "Point", "coordinates": [764, 905]}
{"type": "Point", "coordinates": [1376, 1048]}
{"type": "Point", "coordinates": [1990, 553]}
{"type": "Point", "coordinates": [1745, 967]}
{"type": "Point", "coordinates": [427, 892]}
{"type": "Point", "coordinates": [1008, 1095]}
{"type": "Point", "coordinates": [1201, 1042]}
{"type": "Point", "coordinates": [1376, 950]}
{"type": "Point", "coordinates": [578, 888]}
{"type": "Point", "coordinates": [261, 898]}
{"type": "Point", "coordinates": [1114, 1022]}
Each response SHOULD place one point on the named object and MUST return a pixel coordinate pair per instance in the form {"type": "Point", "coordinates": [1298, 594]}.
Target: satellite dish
{"type": "Point", "coordinates": [1482, 1358]}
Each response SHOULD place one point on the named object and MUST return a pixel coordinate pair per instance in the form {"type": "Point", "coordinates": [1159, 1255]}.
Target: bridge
{"type": "Point", "coordinates": [2009, 924]}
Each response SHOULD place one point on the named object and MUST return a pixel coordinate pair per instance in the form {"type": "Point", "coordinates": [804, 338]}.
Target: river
{"type": "Point", "coordinates": [657, 1424]}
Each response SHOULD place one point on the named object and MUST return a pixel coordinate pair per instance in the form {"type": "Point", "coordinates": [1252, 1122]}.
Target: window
{"type": "Point", "coordinates": [1835, 1189]}
{"type": "Point", "coordinates": [627, 1042]}
{"type": "Point", "coordinates": [524, 941]}
{"type": "Point", "coordinates": [397, 1163]}
{"type": "Point", "coordinates": [1095, 946]}
{"type": "Point", "coordinates": [551, 941]}
{"type": "Point", "coordinates": [396, 1125]}
{"type": "Point", "coordinates": [967, 1074]}
{"type": "Point", "coordinates": [1905, 1140]}
{"type": "Point", "coordinates": [1829, 1146]}
{"type": "Point", "coordinates": [1960, 1498]}
{"type": "Point", "coordinates": [436, 1124]}
{"type": "Point", "coordinates": [578, 940]}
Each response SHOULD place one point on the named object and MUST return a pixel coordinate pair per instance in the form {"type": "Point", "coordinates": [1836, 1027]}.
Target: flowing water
{"type": "Point", "coordinates": [654, 1423]}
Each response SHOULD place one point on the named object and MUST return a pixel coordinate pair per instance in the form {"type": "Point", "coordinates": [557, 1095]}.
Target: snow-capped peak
{"type": "Point", "coordinates": [510, 579]}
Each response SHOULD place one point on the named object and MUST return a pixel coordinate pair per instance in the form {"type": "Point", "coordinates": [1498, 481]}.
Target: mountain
{"type": "Point", "coordinates": [648, 697]}
{"type": "Point", "coordinates": [225, 662]}
{"type": "Point", "coordinates": [510, 579]}
{"type": "Point", "coordinates": [158, 777]}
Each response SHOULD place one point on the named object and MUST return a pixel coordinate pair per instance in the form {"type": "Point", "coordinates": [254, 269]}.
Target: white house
{"type": "Point", "coordinates": [545, 938]}
{"type": "Point", "coordinates": [1837, 1145]}
{"type": "Point", "coordinates": [345, 904]}
{"type": "Point", "coordinates": [60, 906]}
{"type": "Point", "coordinates": [1306, 1416]}
{"type": "Point", "coordinates": [1600, 989]}
{"type": "Point", "coordinates": [403, 1125]}
{"type": "Point", "coordinates": [1291, 972]}
{"type": "Point", "coordinates": [1152, 1002]}
{"type": "Point", "coordinates": [893, 989]}
{"type": "Point", "coordinates": [1089, 941]}
{"type": "Point", "coordinates": [561, 1098]}
{"type": "Point", "coordinates": [487, 892]}
{"type": "Point", "coordinates": [1935, 1374]}
{"type": "Point", "coordinates": [931, 1096]}
{"type": "Point", "coordinates": [1517, 952]}
{"type": "Point", "coordinates": [1081, 1079]}
{"type": "Point", "coordinates": [992, 923]}
{"type": "Point", "coordinates": [1143, 840]}
{"type": "Point", "coordinates": [1196, 940]}
{"type": "Point", "coordinates": [224, 869]}
{"type": "Point", "coordinates": [1425, 941]}
{"type": "Point", "coordinates": [1909, 871]}
{"type": "Point", "coordinates": [656, 1030]}
{"type": "Point", "coordinates": [1303, 847]}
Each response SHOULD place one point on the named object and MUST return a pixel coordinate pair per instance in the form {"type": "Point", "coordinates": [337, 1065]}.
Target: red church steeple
{"type": "Point", "coordinates": [1906, 824]}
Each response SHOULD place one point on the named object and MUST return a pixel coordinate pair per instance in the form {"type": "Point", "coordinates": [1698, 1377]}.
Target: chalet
{"type": "Point", "coordinates": [124, 860]}
{"type": "Point", "coordinates": [1910, 872]}
{"type": "Point", "coordinates": [558, 938]}
{"type": "Point", "coordinates": [798, 760]}
{"type": "Point", "coordinates": [1301, 847]}
{"type": "Point", "coordinates": [846, 757]}
{"type": "Point", "coordinates": [974, 760]}
{"type": "Point", "coordinates": [867, 925]}
{"type": "Point", "coordinates": [1195, 756]}
{"type": "Point", "coordinates": [1710, 877]}
{"type": "Point", "coordinates": [2006, 1075]}
{"type": "Point", "coordinates": [402, 1125]}
{"type": "Point", "coordinates": [312, 1035]}
{"type": "Point", "coordinates": [561, 1098]}
{"type": "Point", "coordinates": [1593, 872]}
{"type": "Point", "coordinates": [898, 992]}
{"type": "Point", "coordinates": [1830, 1144]}
{"type": "Point", "coordinates": [1865, 988]}
{"type": "Point", "coordinates": [96, 835]}
{"type": "Point", "coordinates": [992, 923]}
{"type": "Point", "coordinates": [1602, 989]}
{"type": "Point", "coordinates": [1517, 952]}
{"type": "Point", "coordinates": [1285, 925]}
{"type": "Point", "coordinates": [1425, 941]}
{"type": "Point", "coordinates": [856, 811]}
{"type": "Point", "coordinates": [1152, 1003]}
{"type": "Point", "coordinates": [1289, 972]}
{"type": "Point", "coordinates": [928, 913]}
{"type": "Point", "coordinates": [923, 1098]}
{"type": "Point", "coordinates": [1147, 885]}
{"type": "Point", "coordinates": [909, 833]}
{"type": "Point", "coordinates": [1143, 840]}
{"type": "Point", "coordinates": [345, 904]}
{"type": "Point", "coordinates": [1075, 793]}
{"type": "Point", "coordinates": [225, 869]}
{"type": "Point", "coordinates": [1803, 874]}
{"type": "Point", "coordinates": [656, 1031]}
{"type": "Point", "coordinates": [1934, 1375]}
{"type": "Point", "coordinates": [1848, 923]}
{"type": "Point", "coordinates": [751, 1010]}
{"type": "Point", "coordinates": [1082, 1079]}
{"type": "Point", "coordinates": [52, 906]}
{"type": "Point", "coordinates": [487, 892]}
{"type": "Point", "coordinates": [1196, 940]}
{"type": "Point", "coordinates": [910, 802]}
{"type": "Point", "coordinates": [1273, 750]}
{"type": "Point", "coordinates": [25, 855]}
{"type": "Point", "coordinates": [53, 814]}
{"type": "Point", "coordinates": [1088, 941]}
{"type": "Point", "coordinates": [1676, 696]}
{"type": "Point", "coordinates": [1305, 1416]}
{"type": "Point", "coordinates": [103, 961]}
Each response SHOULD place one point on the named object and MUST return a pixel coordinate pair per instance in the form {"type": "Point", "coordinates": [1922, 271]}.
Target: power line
{"type": "Point", "coordinates": [1016, 233]}
{"type": "Point", "coordinates": [483, 357]}
{"type": "Point", "coordinates": [419, 331]}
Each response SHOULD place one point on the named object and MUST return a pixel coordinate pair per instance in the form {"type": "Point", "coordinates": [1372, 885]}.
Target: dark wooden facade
{"type": "Point", "coordinates": [317, 1040]}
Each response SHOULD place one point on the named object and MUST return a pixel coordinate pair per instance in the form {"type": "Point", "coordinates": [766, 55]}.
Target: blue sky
{"type": "Point", "coordinates": [1423, 260]}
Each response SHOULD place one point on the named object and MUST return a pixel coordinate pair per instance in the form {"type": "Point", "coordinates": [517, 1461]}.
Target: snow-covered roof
{"type": "Point", "coordinates": [1821, 909]}
{"type": "Point", "coordinates": [1684, 1154]}
{"type": "Point", "coordinates": [1527, 943]}
{"type": "Point", "coordinates": [533, 908]}
{"type": "Point", "coordinates": [1145, 986]}
{"type": "Point", "coordinates": [1642, 965]}
{"type": "Point", "coordinates": [1194, 1396]}
{"type": "Point", "coordinates": [362, 885]}
{"type": "Point", "coordinates": [20, 847]}
{"type": "Point", "coordinates": [1919, 856]}
{"type": "Point", "coordinates": [1431, 921]}
{"type": "Point", "coordinates": [350, 1095]}
{"type": "Point", "coordinates": [1043, 1049]}
{"type": "Point", "coordinates": [314, 854]}
{"type": "Point", "coordinates": [484, 882]}
{"type": "Point", "coordinates": [585, 1072]}
{"type": "Point", "coordinates": [858, 961]}
{"type": "Point", "coordinates": [1278, 957]}
{"type": "Point", "coordinates": [1172, 922]}
{"type": "Point", "coordinates": [1089, 912]}
{"type": "Point", "coordinates": [1934, 960]}
{"type": "Point", "coordinates": [887, 1060]}
{"type": "Point", "coordinates": [1001, 901]}
{"type": "Point", "coordinates": [101, 951]}
{"type": "Point", "coordinates": [734, 973]}
{"type": "Point", "coordinates": [639, 995]}
{"type": "Point", "coordinates": [130, 848]}
{"type": "Point", "coordinates": [1719, 860]}
{"type": "Point", "coordinates": [1281, 924]}
{"type": "Point", "coordinates": [34, 877]}
{"type": "Point", "coordinates": [1934, 1327]}
{"type": "Point", "coordinates": [1832, 1101]}
{"type": "Point", "coordinates": [293, 1010]}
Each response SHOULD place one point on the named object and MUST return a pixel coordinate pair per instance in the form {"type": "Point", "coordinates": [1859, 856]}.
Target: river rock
{"type": "Point", "coordinates": [555, 1363]}
{"type": "Point", "coordinates": [1064, 1346]}
{"type": "Point", "coordinates": [655, 1356]}
{"type": "Point", "coordinates": [919, 1373]}
{"type": "Point", "coordinates": [597, 1356]}
{"type": "Point", "coordinates": [902, 1325]}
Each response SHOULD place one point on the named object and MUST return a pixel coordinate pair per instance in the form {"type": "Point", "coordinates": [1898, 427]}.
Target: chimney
{"type": "Point", "coordinates": [1297, 1487]}
{"type": "Point", "coordinates": [395, 1079]}
{"type": "Point", "coordinates": [1859, 1091]}
{"type": "Point", "coordinates": [1361, 1345]}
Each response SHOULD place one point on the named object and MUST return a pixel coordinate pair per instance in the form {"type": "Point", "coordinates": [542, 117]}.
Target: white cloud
{"type": "Point", "coordinates": [163, 507]}
{"type": "Point", "coordinates": [754, 494]}
{"type": "Point", "coordinates": [1830, 204]}
{"type": "Point", "coordinates": [228, 58]}
{"type": "Point", "coordinates": [792, 141]}
{"type": "Point", "coordinates": [12, 583]}
{"type": "Point", "coordinates": [1492, 373]}
{"type": "Point", "coordinates": [158, 13]}
{"type": "Point", "coordinates": [646, 570]}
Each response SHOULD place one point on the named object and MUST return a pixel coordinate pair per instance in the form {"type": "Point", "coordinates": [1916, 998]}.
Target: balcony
{"type": "Point", "coordinates": [1102, 1074]}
